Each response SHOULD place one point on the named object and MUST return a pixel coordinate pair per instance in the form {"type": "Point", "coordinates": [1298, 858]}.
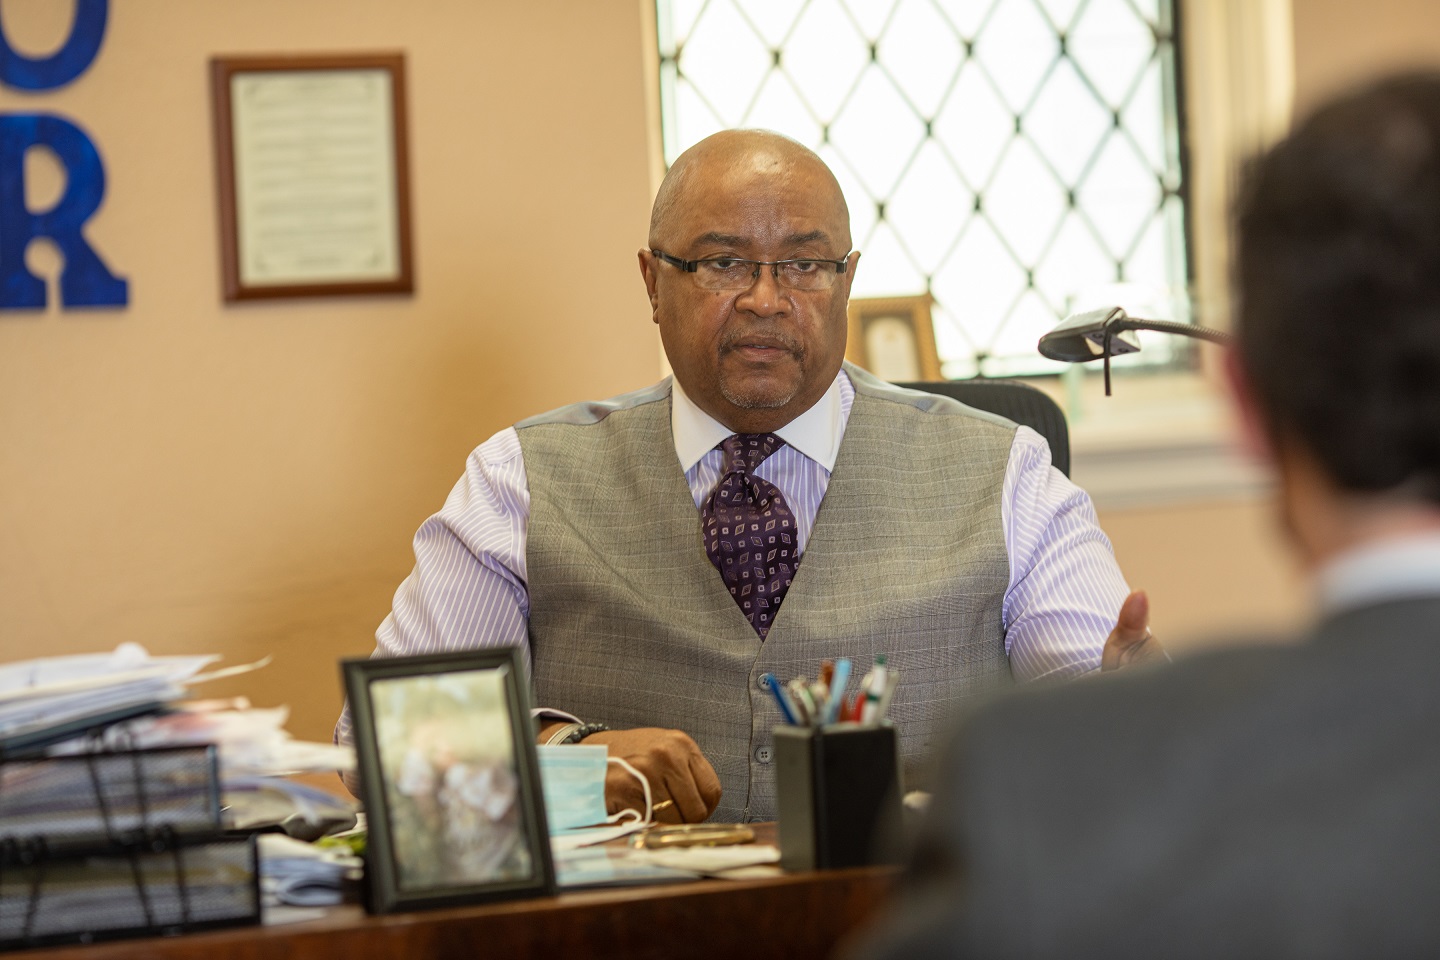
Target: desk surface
{"type": "Point", "coordinates": [797, 915]}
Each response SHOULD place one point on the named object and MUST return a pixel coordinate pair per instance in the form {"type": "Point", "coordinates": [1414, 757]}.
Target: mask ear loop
{"type": "Point", "coordinates": [644, 783]}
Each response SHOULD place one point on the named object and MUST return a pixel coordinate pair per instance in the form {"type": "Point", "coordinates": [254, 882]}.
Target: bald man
{"type": "Point", "coordinates": [766, 508]}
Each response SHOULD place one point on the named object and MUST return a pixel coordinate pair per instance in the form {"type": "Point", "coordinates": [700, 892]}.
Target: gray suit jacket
{"type": "Point", "coordinates": [1260, 802]}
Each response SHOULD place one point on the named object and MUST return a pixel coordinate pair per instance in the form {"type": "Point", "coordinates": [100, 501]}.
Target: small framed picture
{"type": "Point", "coordinates": [893, 338]}
{"type": "Point", "coordinates": [449, 778]}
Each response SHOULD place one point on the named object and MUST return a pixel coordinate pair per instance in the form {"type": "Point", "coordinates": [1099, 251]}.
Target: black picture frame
{"type": "Point", "coordinates": [441, 741]}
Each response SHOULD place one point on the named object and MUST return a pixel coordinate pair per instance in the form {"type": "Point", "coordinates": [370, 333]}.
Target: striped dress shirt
{"type": "Point", "coordinates": [468, 588]}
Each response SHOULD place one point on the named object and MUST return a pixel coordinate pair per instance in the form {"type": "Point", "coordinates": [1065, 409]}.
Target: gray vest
{"type": "Point", "coordinates": [631, 625]}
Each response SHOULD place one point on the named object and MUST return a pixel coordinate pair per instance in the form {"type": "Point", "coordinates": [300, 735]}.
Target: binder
{"type": "Point", "coordinates": [129, 843]}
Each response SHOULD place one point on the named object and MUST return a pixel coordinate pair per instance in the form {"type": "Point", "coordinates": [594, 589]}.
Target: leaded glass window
{"type": "Point", "coordinates": [1017, 159]}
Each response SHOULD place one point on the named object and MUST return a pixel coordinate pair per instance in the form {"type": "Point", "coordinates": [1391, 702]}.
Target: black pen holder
{"type": "Point", "coordinates": [839, 796]}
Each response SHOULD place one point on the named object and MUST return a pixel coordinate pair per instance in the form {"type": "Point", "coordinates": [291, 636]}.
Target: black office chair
{"type": "Point", "coordinates": [1014, 401]}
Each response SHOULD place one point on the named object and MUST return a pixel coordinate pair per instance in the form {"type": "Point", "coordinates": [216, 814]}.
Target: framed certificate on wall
{"type": "Point", "coordinates": [313, 175]}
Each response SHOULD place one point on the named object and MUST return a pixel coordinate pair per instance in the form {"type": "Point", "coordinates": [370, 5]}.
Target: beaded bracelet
{"type": "Point", "coordinates": [584, 730]}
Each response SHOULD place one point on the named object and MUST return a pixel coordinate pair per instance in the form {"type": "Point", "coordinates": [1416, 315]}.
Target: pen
{"type": "Point", "coordinates": [805, 701]}
{"type": "Point", "coordinates": [769, 681]}
{"type": "Point", "coordinates": [820, 690]}
{"type": "Point", "coordinates": [887, 696]}
{"type": "Point", "coordinates": [873, 689]}
{"type": "Point", "coordinates": [837, 689]}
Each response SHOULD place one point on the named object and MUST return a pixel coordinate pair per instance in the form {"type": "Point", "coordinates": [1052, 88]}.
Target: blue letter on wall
{"type": "Point", "coordinates": [85, 280]}
{"type": "Point", "coordinates": [65, 64]}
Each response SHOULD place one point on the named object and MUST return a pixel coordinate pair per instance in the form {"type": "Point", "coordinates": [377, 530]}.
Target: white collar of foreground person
{"type": "Point", "coordinates": [1395, 568]}
{"type": "Point", "coordinates": [816, 432]}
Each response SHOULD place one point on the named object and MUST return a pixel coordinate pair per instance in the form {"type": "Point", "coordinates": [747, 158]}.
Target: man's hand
{"type": "Point", "coordinates": [676, 768]}
{"type": "Point", "coordinates": [1131, 641]}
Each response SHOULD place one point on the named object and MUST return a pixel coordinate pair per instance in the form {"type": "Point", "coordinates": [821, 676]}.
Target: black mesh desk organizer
{"type": "Point", "coordinates": [119, 844]}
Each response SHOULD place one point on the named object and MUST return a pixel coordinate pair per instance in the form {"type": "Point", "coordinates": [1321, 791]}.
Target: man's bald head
{"type": "Point", "coordinates": [757, 355]}
{"type": "Point", "coordinates": [737, 157]}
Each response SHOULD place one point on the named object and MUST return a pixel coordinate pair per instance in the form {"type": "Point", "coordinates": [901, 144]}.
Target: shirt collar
{"type": "Point", "coordinates": [1390, 569]}
{"type": "Point", "coordinates": [816, 433]}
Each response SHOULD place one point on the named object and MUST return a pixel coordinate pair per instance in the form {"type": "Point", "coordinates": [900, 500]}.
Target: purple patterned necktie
{"type": "Point", "coordinates": [750, 531]}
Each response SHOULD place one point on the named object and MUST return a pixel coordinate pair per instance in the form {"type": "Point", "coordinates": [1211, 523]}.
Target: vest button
{"type": "Point", "coordinates": [762, 754]}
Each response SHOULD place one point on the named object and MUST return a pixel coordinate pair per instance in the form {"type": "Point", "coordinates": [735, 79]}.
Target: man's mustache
{"type": "Point", "coordinates": [782, 341]}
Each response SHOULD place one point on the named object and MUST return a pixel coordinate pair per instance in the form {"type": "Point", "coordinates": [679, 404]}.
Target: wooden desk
{"type": "Point", "coordinates": [794, 916]}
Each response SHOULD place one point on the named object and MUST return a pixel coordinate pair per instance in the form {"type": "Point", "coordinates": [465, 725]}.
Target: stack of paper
{"type": "Point", "coordinates": [253, 742]}
{"type": "Point", "coordinates": [622, 866]}
{"type": "Point", "coordinates": [128, 700]}
{"type": "Point", "coordinates": [302, 874]}
{"type": "Point", "coordinates": [50, 698]}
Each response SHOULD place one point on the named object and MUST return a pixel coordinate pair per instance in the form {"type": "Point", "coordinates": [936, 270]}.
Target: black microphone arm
{"type": "Point", "coordinates": [1103, 334]}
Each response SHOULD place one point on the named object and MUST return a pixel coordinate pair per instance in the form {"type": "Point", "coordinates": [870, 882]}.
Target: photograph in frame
{"type": "Point", "coordinates": [893, 338]}
{"type": "Point", "coordinates": [449, 779]}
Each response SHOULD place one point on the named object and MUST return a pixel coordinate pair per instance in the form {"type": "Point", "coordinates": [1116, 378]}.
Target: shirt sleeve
{"type": "Point", "coordinates": [1065, 587]}
{"type": "Point", "coordinates": [468, 588]}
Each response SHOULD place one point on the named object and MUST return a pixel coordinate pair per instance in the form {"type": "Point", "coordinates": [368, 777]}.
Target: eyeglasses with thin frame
{"type": "Point", "coordinates": [733, 273]}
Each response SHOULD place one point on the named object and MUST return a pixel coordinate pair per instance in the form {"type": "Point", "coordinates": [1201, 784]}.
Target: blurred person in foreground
{"type": "Point", "coordinates": [1269, 801]}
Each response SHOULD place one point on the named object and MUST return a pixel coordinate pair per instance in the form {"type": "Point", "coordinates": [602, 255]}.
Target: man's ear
{"type": "Point", "coordinates": [648, 272]}
{"type": "Point", "coordinates": [1254, 430]}
{"type": "Point", "coordinates": [850, 273]}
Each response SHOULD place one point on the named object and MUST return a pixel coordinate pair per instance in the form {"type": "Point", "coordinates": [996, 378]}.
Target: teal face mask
{"type": "Point", "coordinates": [573, 779]}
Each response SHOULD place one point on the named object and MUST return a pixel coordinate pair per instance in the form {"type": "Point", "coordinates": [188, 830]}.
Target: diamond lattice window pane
{"type": "Point", "coordinates": [886, 268]}
{"type": "Point", "coordinates": [772, 19]}
{"type": "Point", "coordinates": [919, 46]}
{"type": "Point", "coordinates": [1074, 267]}
{"type": "Point", "coordinates": [1152, 10]}
{"type": "Point", "coordinates": [930, 207]}
{"type": "Point", "coordinates": [1017, 48]}
{"type": "Point", "coordinates": [1025, 202]}
{"type": "Point", "coordinates": [1061, 12]}
{"type": "Point", "coordinates": [1149, 125]}
{"type": "Point", "coordinates": [729, 70]}
{"type": "Point", "coordinates": [1018, 160]}
{"type": "Point", "coordinates": [779, 106]}
{"type": "Point", "coordinates": [1112, 45]}
{"type": "Point", "coordinates": [968, 16]}
{"type": "Point", "coordinates": [871, 16]}
{"type": "Point", "coordinates": [980, 282]}
{"type": "Point", "coordinates": [952, 341]}
{"type": "Point", "coordinates": [974, 126]}
{"type": "Point", "coordinates": [825, 54]}
{"type": "Point", "coordinates": [1120, 195]}
{"type": "Point", "coordinates": [1030, 319]}
{"type": "Point", "coordinates": [1067, 122]}
{"type": "Point", "coordinates": [675, 21]}
{"type": "Point", "coordinates": [863, 212]}
{"type": "Point", "coordinates": [694, 119]}
{"type": "Point", "coordinates": [878, 132]}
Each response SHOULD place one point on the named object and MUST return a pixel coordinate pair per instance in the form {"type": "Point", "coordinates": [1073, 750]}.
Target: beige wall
{"type": "Point", "coordinates": [1342, 42]}
{"type": "Point", "coordinates": [246, 479]}
{"type": "Point", "coordinates": [1215, 572]}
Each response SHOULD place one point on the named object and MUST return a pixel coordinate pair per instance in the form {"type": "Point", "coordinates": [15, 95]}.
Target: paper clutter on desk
{"type": "Point", "coordinates": [51, 698]}
{"type": "Point", "coordinates": [129, 700]}
{"type": "Point", "coordinates": [301, 874]}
